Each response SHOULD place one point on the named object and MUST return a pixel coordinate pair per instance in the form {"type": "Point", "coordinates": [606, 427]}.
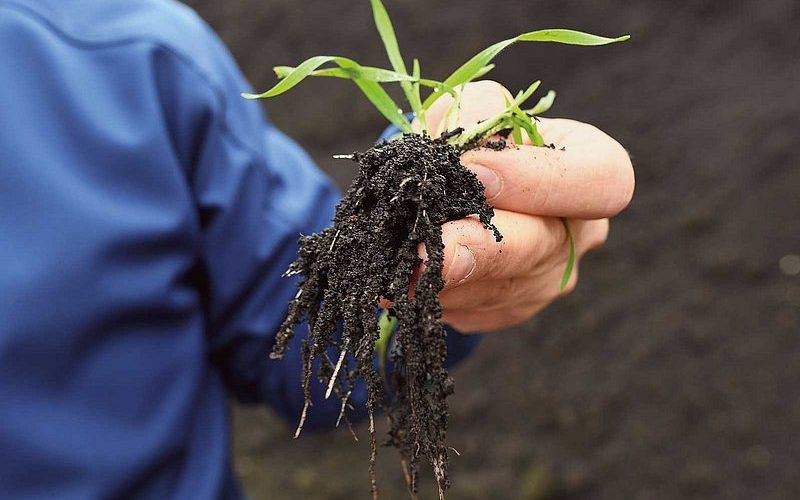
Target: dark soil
{"type": "Point", "coordinates": [674, 369]}
{"type": "Point", "coordinates": [405, 190]}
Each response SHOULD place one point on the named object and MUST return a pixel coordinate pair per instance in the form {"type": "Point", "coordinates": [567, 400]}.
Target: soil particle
{"type": "Point", "coordinates": [497, 145]}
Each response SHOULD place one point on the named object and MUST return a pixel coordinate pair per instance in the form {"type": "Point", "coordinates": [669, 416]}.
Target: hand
{"type": "Point", "coordinates": [490, 286]}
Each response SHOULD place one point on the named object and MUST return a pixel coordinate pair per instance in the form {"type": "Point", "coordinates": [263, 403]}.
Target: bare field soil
{"type": "Point", "coordinates": [674, 370]}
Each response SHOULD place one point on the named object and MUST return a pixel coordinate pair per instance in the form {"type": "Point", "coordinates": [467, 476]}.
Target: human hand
{"type": "Point", "coordinates": [587, 178]}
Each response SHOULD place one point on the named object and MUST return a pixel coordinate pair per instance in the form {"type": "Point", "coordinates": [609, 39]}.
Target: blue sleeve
{"type": "Point", "coordinates": [257, 193]}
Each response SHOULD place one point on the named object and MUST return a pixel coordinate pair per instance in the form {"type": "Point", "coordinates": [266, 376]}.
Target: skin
{"type": "Point", "coordinates": [491, 286]}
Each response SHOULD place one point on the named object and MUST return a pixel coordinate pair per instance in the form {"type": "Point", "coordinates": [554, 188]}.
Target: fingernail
{"type": "Point", "coordinates": [489, 178]}
{"type": "Point", "coordinates": [462, 266]}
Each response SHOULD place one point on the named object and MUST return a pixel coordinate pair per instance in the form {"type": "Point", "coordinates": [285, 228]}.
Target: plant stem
{"type": "Point", "coordinates": [386, 326]}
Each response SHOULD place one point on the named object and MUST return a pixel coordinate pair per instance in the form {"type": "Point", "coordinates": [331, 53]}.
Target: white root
{"type": "Point", "coordinates": [302, 421]}
{"type": "Point", "coordinates": [344, 405]}
{"type": "Point", "coordinates": [335, 236]}
{"type": "Point", "coordinates": [332, 381]}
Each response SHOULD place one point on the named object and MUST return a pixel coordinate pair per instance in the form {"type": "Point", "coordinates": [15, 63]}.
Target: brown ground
{"type": "Point", "coordinates": [674, 370]}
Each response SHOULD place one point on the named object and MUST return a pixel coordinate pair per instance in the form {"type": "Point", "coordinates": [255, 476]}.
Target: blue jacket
{"type": "Point", "coordinates": [146, 215]}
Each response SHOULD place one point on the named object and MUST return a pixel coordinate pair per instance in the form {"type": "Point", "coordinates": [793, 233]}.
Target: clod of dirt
{"type": "Point", "coordinates": [404, 192]}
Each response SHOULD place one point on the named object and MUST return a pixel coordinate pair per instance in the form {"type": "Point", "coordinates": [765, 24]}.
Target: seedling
{"type": "Point", "coordinates": [405, 190]}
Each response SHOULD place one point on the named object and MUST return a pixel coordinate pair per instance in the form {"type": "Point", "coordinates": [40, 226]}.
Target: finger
{"type": "Point", "coordinates": [472, 254]}
{"type": "Point", "coordinates": [494, 316]}
{"type": "Point", "coordinates": [486, 296]}
{"type": "Point", "coordinates": [516, 291]}
{"type": "Point", "coordinates": [531, 245]}
{"type": "Point", "coordinates": [592, 177]}
{"type": "Point", "coordinates": [489, 321]}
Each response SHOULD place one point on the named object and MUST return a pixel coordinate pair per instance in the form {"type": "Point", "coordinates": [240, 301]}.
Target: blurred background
{"type": "Point", "coordinates": [674, 370]}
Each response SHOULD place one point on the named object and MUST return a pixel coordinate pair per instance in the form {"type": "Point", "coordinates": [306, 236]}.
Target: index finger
{"type": "Point", "coordinates": [588, 175]}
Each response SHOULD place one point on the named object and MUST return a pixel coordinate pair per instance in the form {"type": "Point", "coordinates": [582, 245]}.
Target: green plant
{"type": "Point", "coordinates": [426, 391]}
{"type": "Point", "coordinates": [370, 79]}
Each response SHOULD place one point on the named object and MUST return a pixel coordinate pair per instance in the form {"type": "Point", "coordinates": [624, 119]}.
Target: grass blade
{"type": "Point", "coordinates": [453, 113]}
{"type": "Point", "coordinates": [570, 37]}
{"type": "Point", "coordinates": [524, 96]}
{"type": "Point", "coordinates": [386, 30]}
{"type": "Point", "coordinates": [524, 120]}
{"type": "Point", "coordinates": [536, 137]}
{"type": "Point", "coordinates": [516, 131]}
{"type": "Point", "coordinates": [470, 69]}
{"type": "Point", "coordinates": [371, 89]}
{"type": "Point", "coordinates": [516, 134]}
{"type": "Point", "coordinates": [299, 74]}
{"type": "Point", "coordinates": [385, 104]}
{"type": "Point", "coordinates": [365, 72]}
{"type": "Point", "coordinates": [571, 259]}
{"type": "Point", "coordinates": [544, 104]}
{"type": "Point", "coordinates": [414, 98]}
{"type": "Point", "coordinates": [483, 71]}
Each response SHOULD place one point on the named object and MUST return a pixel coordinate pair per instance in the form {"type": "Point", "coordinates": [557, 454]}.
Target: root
{"type": "Point", "coordinates": [336, 371]}
{"type": "Point", "coordinates": [302, 420]}
{"type": "Point", "coordinates": [373, 454]}
{"type": "Point", "coordinates": [404, 192]}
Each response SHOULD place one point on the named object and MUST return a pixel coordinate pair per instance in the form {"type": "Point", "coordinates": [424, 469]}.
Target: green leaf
{"type": "Point", "coordinates": [453, 112]}
{"type": "Point", "coordinates": [470, 69]}
{"type": "Point", "coordinates": [571, 258]}
{"type": "Point", "coordinates": [385, 104]}
{"type": "Point", "coordinates": [483, 71]}
{"type": "Point", "coordinates": [371, 89]}
{"type": "Point", "coordinates": [384, 24]}
{"type": "Point", "coordinates": [524, 120]}
{"type": "Point", "coordinates": [521, 97]}
{"type": "Point", "coordinates": [544, 104]}
{"type": "Point", "coordinates": [501, 120]}
{"type": "Point", "coordinates": [570, 37]}
{"type": "Point", "coordinates": [438, 86]}
{"type": "Point", "coordinates": [300, 73]}
{"type": "Point", "coordinates": [414, 98]}
{"type": "Point", "coordinates": [386, 30]}
{"type": "Point", "coordinates": [366, 72]}
{"type": "Point", "coordinates": [516, 133]}
{"type": "Point", "coordinates": [536, 137]}
{"type": "Point", "coordinates": [416, 72]}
